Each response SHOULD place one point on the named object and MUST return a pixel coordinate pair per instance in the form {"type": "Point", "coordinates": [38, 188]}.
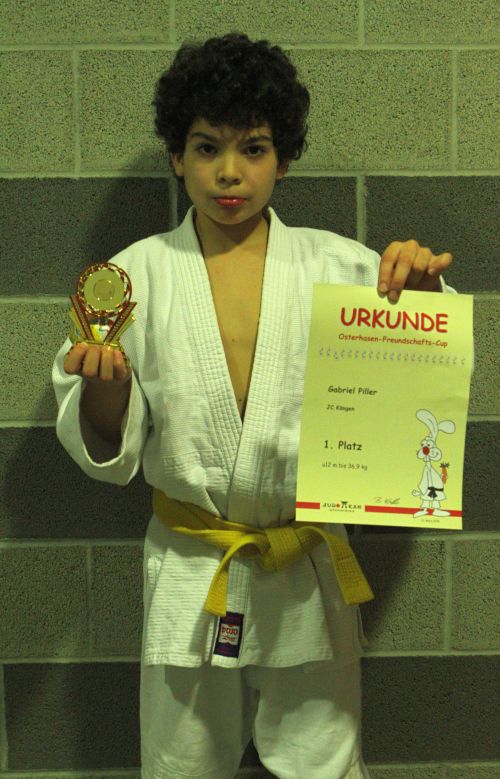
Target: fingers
{"type": "Point", "coordinates": [96, 363]}
{"type": "Point", "coordinates": [410, 266]}
{"type": "Point", "coordinates": [74, 359]}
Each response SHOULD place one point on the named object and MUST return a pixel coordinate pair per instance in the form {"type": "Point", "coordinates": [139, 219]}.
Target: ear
{"type": "Point", "coordinates": [282, 169]}
{"type": "Point", "coordinates": [177, 161]}
{"type": "Point", "coordinates": [428, 419]}
{"type": "Point", "coordinates": [447, 426]}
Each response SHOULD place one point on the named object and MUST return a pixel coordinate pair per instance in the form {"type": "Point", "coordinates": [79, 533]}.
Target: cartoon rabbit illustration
{"type": "Point", "coordinates": [431, 487]}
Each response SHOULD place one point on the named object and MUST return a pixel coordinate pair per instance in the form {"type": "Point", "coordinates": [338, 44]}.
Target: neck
{"type": "Point", "coordinates": [216, 238]}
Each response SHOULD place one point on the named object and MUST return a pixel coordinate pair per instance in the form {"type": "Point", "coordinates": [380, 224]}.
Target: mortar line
{"type": "Point", "coordinates": [70, 660]}
{"type": "Point", "coordinates": [461, 536]}
{"type": "Point", "coordinates": [105, 774]}
{"type": "Point", "coordinates": [448, 599]}
{"type": "Point", "coordinates": [90, 601]}
{"type": "Point", "coordinates": [361, 209]}
{"type": "Point", "coordinates": [454, 112]}
{"type": "Point", "coordinates": [172, 21]}
{"type": "Point", "coordinates": [40, 543]}
{"type": "Point", "coordinates": [361, 24]}
{"type": "Point", "coordinates": [120, 173]}
{"type": "Point", "coordinates": [173, 192]}
{"type": "Point", "coordinates": [367, 654]}
{"type": "Point", "coordinates": [8, 424]}
{"type": "Point", "coordinates": [76, 109]}
{"type": "Point", "coordinates": [291, 45]}
{"type": "Point", "coordinates": [4, 745]}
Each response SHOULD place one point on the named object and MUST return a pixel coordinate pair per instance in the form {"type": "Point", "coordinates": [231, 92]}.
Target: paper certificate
{"type": "Point", "coordinates": [385, 408]}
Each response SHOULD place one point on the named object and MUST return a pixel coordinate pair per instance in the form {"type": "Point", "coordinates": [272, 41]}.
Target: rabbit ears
{"type": "Point", "coordinates": [447, 426]}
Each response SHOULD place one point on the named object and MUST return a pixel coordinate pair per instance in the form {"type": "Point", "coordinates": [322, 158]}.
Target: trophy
{"type": "Point", "coordinates": [101, 309]}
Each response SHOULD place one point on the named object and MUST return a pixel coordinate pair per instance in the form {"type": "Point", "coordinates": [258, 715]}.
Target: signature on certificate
{"type": "Point", "coordinates": [387, 501]}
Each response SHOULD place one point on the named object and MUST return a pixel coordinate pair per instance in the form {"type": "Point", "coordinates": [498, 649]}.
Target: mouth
{"type": "Point", "coordinates": [230, 202]}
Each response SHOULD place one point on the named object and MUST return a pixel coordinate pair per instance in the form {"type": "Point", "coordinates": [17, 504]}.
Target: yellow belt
{"type": "Point", "coordinates": [278, 548]}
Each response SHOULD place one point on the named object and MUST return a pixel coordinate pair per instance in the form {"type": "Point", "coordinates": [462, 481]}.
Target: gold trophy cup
{"type": "Point", "coordinates": [101, 309]}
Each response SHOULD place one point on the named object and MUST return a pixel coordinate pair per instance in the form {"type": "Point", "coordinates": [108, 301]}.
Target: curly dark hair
{"type": "Point", "coordinates": [233, 81]}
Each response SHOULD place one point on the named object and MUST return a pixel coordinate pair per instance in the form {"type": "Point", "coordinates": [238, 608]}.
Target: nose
{"type": "Point", "coordinates": [426, 450]}
{"type": "Point", "coordinates": [228, 171]}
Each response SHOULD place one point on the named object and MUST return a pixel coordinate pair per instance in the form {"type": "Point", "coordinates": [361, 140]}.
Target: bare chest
{"type": "Point", "coordinates": [237, 291]}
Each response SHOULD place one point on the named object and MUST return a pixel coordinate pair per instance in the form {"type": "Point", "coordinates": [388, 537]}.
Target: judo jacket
{"type": "Point", "coordinates": [183, 426]}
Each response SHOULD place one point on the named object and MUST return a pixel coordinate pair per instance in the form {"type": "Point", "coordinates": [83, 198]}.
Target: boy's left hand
{"type": "Point", "coordinates": [407, 265]}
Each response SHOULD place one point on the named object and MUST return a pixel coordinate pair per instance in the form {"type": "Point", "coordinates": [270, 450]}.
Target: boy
{"type": "Point", "coordinates": [211, 408]}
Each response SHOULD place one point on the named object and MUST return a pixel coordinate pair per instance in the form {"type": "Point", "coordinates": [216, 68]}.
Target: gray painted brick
{"type": "Point", "coordinates": [430, 709]}
{"type": "Point", "coordinates": [55, 499]}
{"type": "Point", "coordinates": [44, 602]}
{"type": "Point", "coordinates": [312, 22]}
{"type": "Point", "coordinates": [481, 506]}
{"type": "Point", "coordinates": [51, 229]}
{"type": "Point", "coordinates": [485, 391]}
{"type": "Point", "coordinates": [116, 597]}
{"type": "Point", "coordinates": [117, 131]}
{"type": "Point", "coordinates": [37, 113]}
{"type": "Point", "coordinates": [478, 117]}
{"type": "Point", "coordinates": [72, 716]}
{"type": "Point", "coordinates": [84, 21]}
{"type": "Point", "coordinates": [440, 21]}
{"type": "Point", "coordinates": [320, 203]}
{"type": "Point", "coordinates": [475, 595]}
{"type": "Point", "coordinates": [372, 109]}
{"type": "Point", "coordinates": [457, 214]}
{"type": "Point", "coordinates": [407, 578]}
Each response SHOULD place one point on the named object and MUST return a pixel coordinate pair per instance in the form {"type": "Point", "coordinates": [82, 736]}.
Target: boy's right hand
{"type": "Point", "coordinates": [99, 365]}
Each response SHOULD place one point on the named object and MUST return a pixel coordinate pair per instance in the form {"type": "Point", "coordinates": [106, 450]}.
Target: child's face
{"type": "Point", "coordinates": [221, 162]}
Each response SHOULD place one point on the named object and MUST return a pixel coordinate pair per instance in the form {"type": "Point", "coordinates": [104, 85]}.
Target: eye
{"type": "Point", "coordinates": [206, 148]}
{"type": "Point", "coordinates": [255, 150]}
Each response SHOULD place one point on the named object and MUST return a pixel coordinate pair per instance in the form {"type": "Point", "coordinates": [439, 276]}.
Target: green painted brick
{"type": "Point", "coordinates": [116, 594]}
{"type": "Point", "coordinates": [408, 610]}
{"type": "Point", "coordinates": [485, 392]}
{"type": "Point", "coordinates": [432, 21]}
{"type": "Point", "coordinates": [32, 333]}
{"type": "Point", "coordinates": [84, 21]}
{"type": "Point", "coordinates": [37, 111]}
{"type": "Point", "coordinates": [377, 109]}
{"type": "Point", "coordinates": [476, 594]}
{"type": "Point", "coordinates": [117, 118]}
{"type": "Point", "coordinates": [44, 602]}
{"type": "Point", "coordinates": [311, 21]}
{"type": "Point", "coordinates": [478, 114]}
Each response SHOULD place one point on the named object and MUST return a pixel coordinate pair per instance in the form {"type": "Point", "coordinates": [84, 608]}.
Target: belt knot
{"type": "Point", "coordinates": [284, 548]}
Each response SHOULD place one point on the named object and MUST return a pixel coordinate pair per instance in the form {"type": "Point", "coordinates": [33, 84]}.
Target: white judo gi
{"type": "Point", "coordinates": [183, 425]}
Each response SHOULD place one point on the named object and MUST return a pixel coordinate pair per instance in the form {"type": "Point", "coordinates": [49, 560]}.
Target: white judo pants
{"type": "Point", "coordinates": [304, 720]}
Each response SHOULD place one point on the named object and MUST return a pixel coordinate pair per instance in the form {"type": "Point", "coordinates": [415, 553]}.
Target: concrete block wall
{"type": "Point", "coordinates": [403, 143]}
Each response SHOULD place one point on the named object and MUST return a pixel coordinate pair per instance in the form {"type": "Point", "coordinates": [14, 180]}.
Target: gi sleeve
{"type": "Point", "coordinates": [98, 458]}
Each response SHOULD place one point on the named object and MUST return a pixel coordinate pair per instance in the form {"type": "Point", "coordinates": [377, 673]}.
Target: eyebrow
{"type": "Point", "coordinates": [251, 139]}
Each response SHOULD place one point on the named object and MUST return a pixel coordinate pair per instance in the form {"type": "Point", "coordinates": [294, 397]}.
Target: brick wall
{"type": "Point", "coordinates": [403, 143]}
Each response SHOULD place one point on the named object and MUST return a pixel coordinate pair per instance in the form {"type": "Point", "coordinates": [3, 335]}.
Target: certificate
{"type": "Point", "coordinates": [385, 408]}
